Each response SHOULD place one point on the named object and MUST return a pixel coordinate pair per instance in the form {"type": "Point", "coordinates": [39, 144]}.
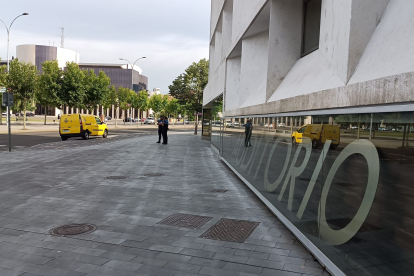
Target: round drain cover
{"type": "Point", "coordinates": [152, 174]}
{"type": "Point", "coordinates": [73, 229]}
{"type": "Point", "coordinates": [116, 177]}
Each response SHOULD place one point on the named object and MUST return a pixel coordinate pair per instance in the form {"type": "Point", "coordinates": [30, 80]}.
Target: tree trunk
{"type": "Point", "coordinates": [24, 114]}
{"type": "Point", "coordinates": [196, 124]}
{"type": "Point", "coordinates": [124, 116]}
{"type": "Point", "coordinates": [116, 116]}
{"type": "Point", "coordinates": [138, 118]}
{"type": "Point", "coordinates": [1, 118]}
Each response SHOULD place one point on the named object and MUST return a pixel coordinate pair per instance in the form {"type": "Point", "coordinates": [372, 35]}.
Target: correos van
{"type": "Point", "coordinates": [81, 125]}
{"type": "Point", "coordinates": [318, 134]}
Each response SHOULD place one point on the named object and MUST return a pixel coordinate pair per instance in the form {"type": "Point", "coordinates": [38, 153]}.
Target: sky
{"type": "Point", "coordinates": [172, 34]}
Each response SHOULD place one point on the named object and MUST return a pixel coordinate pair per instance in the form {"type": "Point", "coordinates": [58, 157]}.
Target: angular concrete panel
{"type": "Point", "coordinates": [233, 70]}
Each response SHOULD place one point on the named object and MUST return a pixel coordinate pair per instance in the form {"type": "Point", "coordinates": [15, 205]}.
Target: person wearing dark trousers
{"type": "Point", "coordinates": [165, 130]}
{"type": "Point", "coordinates": [248, 128]}
{"type": "Point", "coordinates": [160, 128]}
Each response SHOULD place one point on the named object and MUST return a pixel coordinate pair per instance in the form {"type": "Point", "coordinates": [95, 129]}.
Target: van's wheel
{"type": "Point", "coordinates": [64, 138]}
{"type": "Point", "coordinates": [85, 135]}
{"type": "Point", "coordinates": [314, 144]}
{"type": "Point", "coordinates": [334, 146]}
{"type": "Point", "coordinates": [105, 134]}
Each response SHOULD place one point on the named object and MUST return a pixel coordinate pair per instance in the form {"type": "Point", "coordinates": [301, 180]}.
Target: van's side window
{"type": "Point", "coordinates": [301, 130]}
{"type": "Point", "coordinates": [98, 121]}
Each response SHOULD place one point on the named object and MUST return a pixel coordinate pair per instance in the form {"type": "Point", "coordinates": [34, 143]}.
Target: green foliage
{"type": "Point", "coordinates": [172, 106]}
{"type": "Point", "coordinates": [158, 102]}
{"type": "Point", "coordinates": [96, 88]}
{"type": "Point", "coordinates": [124, 97]}
{"type": "Point", "coordinates": [188, 87]}
{"type": "Point", "coordinates": [49, 84]}
{"type": "Point", "coordinates": [73, 89]}
{"type": "Point", "coordinates": [110, 98]}
{"type": "Point", "coordinates": [142, 101]}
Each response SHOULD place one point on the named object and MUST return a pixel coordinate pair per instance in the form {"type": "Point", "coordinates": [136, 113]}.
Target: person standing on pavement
{"type": "Point", "coordinates": [160, 129]}
{"type": "Point", "coordinates": [165, 130]}
{"type": "Point", "coordinates": [248, 128]}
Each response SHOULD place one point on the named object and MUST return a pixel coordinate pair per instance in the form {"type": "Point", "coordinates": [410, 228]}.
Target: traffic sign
{"type": "Point", "coordinates": [2, 89]}
{"type": "Point", "coordinates": [7, 99]}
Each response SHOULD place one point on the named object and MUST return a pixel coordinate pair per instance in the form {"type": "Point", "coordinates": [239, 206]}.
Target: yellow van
{"type": "Point", "coordinates": [81, 125]}
{"type": "Point", "coordinates": [318, 134]}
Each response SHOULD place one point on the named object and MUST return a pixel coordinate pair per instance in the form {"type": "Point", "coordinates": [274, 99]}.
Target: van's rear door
{"type": "Point", "coordinates": [69, 124]}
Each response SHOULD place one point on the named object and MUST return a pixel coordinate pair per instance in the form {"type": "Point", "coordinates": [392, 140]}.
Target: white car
{"type": "Point", "coordinates": [281, 125]}
{"type": "Point", "coordinates": [149, 121]}
{"type": "Point", "coordinates": [4, 113]}
{"type": "Point", "coordinates": [229, 124]}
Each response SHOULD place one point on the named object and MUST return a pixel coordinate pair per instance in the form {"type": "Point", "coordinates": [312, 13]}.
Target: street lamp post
{"type": "Point", "coordinates": [132, 77]}
{"type": "Point", "coordinates": [8, 68]}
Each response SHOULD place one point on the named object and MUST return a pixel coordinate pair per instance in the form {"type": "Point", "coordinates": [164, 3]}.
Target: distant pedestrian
{"type": "Point", "coordinates": [165, 124]}
{"type": "Point", "coordinates": [248, 128]}
{"type": "Point", "coordinates": [58, 116]}
{"type": "Point", "coordinates": [160, 128]}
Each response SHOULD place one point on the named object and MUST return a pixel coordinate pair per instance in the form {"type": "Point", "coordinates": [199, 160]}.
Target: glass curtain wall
{"type": "Point", "coordinates": [344, 181]}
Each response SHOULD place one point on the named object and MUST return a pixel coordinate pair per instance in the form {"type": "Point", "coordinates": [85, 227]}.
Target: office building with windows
{"type": "Point", "coordinates": [317, 102]}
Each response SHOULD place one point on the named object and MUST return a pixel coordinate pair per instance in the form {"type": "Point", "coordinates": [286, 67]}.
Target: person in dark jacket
{"type": "Point", "coordinates": [248, 128]}
{"type": "Point", "coordinates": [165, 130]}
{"type": "Point", "coordinates": [160, 129]}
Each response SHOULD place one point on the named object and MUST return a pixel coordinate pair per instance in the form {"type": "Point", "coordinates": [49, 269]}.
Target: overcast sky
{"type": "Point", "coordinates": [170, 33]}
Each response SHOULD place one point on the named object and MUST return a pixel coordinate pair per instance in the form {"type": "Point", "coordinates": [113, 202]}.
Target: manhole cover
{"type": "Point", "coordinates": [73, 229]}
{"type": "Point", "coordinates": [231, 230]}
{"type": "Point", "coordinates": [185, 220]}
{"type": "Point", "coordinates": [115, 177]}
{"type": "Point", "coordinates": [152, 174]}
{"type": "Point", "coordinates": [219, 191]}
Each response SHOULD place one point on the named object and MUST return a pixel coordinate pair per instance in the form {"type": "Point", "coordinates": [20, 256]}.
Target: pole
{"type": "Point", "coordinates": [8, 126]}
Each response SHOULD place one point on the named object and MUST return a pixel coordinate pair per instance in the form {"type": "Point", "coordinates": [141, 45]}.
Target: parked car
{"type": "Point", "coordinates": [236, 124]}
{"type": "Point", "coordinates": [149, 121]}
{"type": "Point", "coordinates": [29, 114]}
{"type": "Point", "coordinates": [229, 124]}
{"type": "Point", "coordinates": [18, 114]}
{"type": "Point", "coordinates": [4, 113]}
{"type": "Point", "coordinates": [81, 125]}
{"type": "Point", "coordinates": [129, 119]}
{"type": "Point", "coordinates": [108, 118]}
{"type": "Point", "coordinates": [281, 124]}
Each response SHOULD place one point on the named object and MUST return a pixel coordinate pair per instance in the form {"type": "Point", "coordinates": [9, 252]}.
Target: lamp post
{"type": "Point", "coordinates": [132, 77]}
{"type": "Point", "coordinates": [8, 68]}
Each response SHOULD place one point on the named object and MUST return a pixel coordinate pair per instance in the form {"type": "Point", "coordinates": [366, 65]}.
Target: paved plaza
{"type": "Point", "coordinates": [46, 187]}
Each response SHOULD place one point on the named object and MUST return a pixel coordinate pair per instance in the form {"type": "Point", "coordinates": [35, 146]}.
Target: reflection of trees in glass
{"type": "Point", "coordinates": [217, 108]}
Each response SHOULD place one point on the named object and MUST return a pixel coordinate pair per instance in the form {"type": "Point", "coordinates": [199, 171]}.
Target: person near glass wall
{"type": "Point", "coordinates": [248, 128]}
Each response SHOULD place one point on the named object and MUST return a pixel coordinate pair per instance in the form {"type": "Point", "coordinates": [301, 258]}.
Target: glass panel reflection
{"type": "Point", "coordinates": [344, 181]}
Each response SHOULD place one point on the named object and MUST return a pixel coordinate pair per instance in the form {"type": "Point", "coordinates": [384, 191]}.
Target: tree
{"type": "Point", "coordinates": [3, 76]}
{"type": "Point", "coordinates": [172, 107]}
{"type": "Point", "coordinates": [124, 99]}
{"type": "Point", "coordinates": [110, 98]}
{"type": "Point", "coordinates": [96, 87]}
{"type": "Point", "coordinates": [49, 85]}
{"type": "Point", "coordinates": [21, 81]}
{"type": "Point", "coordinates": [142, 102]}
{"type": "Point", "coordinates": [188, 87]}
{"type": "Point", "coordinates": [157, 103]}
{"type": "Point", "coordinates": [73, 90]}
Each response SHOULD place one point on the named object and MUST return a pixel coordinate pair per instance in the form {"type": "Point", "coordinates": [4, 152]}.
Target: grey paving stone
{"type": "Point", "coordinates": [273, 272]}
{"type": "Point", "coordinates": [137, 244]}
{"type": "Point", "coordinates": [174, 257]}
{"type": "Point", "coordinates": [286, 259]}
{"type": "Point", "coordinates": [156, 271]}
{"type": "Point", "coordinates": [187, 244]}
{"type": "Point", "coordinates": [243, 246]}
{"type": "Point", "coordinates": [113, 248]}
{"type": "Point", "coordinates": [27, 258]}
{"type": "Point", "coordinates": [217, 249]}
{"type": "Point", "coordinates": [9, 264]}
{"type": "Point", "coordinates": [303, 269]}
{"type": "Point", "coordinates": [117, 256]}
{"type": "Point", "coordinates": [142, 252]}
{"type": "Point", "coordinates": [217, 272]}
{"type": "Point", "coordinates": [64, 263]}
{"type": "Point", "coordinates": [208, 262]}
{"type": "Point", "coordinates": [275, 251]}
{"type": "Point", "coordinates": [166, 248]}
{"type": "Point", "coordinates": [129, 266]}
{"type": "Point", "coordinates": [313, 263]}
{"type": "Point", "coordinates": [197, 253]}
{"type": "Point", "coordinates": [209, 242]}
{"type": "Point", "coordinates": [9, 272]}
{"type": "Point", "coordinates": [110, 240]}
{"type": "Point", "coordinates": [265, 263]}
{"type": "Point", "coordinates": [149, 261]}
{"type": "Point", "coordinates": [88, 251]}
{"type": "Point", "coordinates": [61, 246]}
{"type": "Point", "coordinates": [252, 254]}
{"type": "Point", "coordinates": [260, 242]}
{"type": "Point", "coordinates": [243, 268]}
{"type": "Point", "coordinates": [102, 270]}
{"type": "Point", "coordinates": [230, 258]}
{"type": "Point", "coordinates": [300, 254]}
{"type": "Point", "coordinates": [190, 268]}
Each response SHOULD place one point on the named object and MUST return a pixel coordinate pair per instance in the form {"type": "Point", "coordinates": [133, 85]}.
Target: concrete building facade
{"type": "Point", "coordinates": [318, 114]}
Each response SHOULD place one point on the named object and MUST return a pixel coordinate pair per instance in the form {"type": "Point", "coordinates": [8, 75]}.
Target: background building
{"type": "Point", "coordinates": [344, 71]}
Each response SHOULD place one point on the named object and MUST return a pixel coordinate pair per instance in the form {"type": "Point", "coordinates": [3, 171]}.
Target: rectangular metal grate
{"type": "Point", "coordinates": [185, 220]}
{"type": "Point", "coordinates": [231, 230]}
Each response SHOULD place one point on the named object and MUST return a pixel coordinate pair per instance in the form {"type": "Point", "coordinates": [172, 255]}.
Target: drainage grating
{"type": "Point", "coordinates": [185, 220]}
{"type": "Point", "coordinates": [73, 229]}
{"type": "Point", "coordinates": [115, 177]}
{"type": "Point", "coordinates": [152, 174]}
{"type": "Point", "coordinates": [231, 230]}
{"type": "Point", "coordinates": [219, 191]}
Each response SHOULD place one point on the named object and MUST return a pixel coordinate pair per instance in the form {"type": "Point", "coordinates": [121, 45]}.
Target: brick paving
{"type": "Point", "coordinates": [44, 188]}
